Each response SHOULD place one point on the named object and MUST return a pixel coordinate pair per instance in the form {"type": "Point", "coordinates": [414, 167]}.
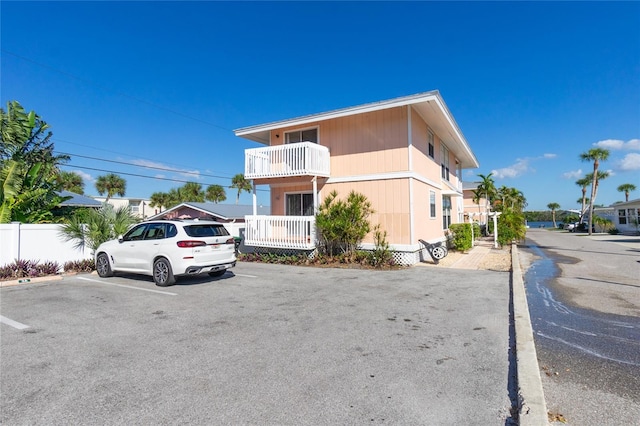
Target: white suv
{"type": "Point", "coordinates": [165, 249]}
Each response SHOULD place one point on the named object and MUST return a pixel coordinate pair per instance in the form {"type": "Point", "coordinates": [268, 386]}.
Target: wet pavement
{"type": "Point", "coordinates": [589, 356]}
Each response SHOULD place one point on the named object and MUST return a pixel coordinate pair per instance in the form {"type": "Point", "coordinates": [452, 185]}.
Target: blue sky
{"type": "Point", "coordinates": [164, 84]}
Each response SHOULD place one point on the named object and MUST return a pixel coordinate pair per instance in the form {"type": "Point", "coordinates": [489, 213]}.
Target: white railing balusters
{"type": "Point", "coordinates": [304, 158]}
{"type": "Point", "coordinates": [291, 232]}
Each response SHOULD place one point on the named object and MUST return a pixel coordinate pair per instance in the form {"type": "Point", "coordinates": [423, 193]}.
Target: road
{"type": "Point", "coordinates": [584, 301]}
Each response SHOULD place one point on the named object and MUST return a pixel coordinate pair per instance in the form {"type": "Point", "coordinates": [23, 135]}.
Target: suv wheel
{"type": "Point", "coordinates": [162, 273]}
{"type": "Point", "coordinates": [103, 266]}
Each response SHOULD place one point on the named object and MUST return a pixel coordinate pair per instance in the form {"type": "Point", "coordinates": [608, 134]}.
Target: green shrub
{"type": "Point", "coordinates": [614, 231]}
{"type": "Point", "coordinates": [381, 254]}
{"type": "Point", "coordinates": [462, 240]}
{"type": "Point", "coordinates": [511, 227]}
{"type": "Point", "coordinates": [477, 231]}
{"type": "Point", "coordinates": [342, 225]}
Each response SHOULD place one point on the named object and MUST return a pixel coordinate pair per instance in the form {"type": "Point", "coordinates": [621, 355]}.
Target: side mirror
{"type": "Point", "coordinates": [120, 239]}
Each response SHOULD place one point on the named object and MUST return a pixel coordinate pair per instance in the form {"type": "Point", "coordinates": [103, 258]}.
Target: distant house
{"type": "Point", "coordinates": [406, 155]}
{"type": "Point", "coordinates": [626, 216]}
{"type": "Point", "coordinates": [474, 211]}
{"type": "Point", "coordinates": [139, 206]}
{"type": "Point", "coordinates": [231, 215]}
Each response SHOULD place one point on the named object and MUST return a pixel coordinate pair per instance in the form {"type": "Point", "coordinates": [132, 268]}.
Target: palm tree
{"type": "Point", "coordinates": [90, 228]}
{"type": "Point", "coordinates": [626, 188]}
{"type": "Point", "coordinates": [111, 184]}
{"type": "Point", "coordinates": [215, 193]}
{"type": "Point", "coordinates": [70, 181]}
{"type": "Point", "coordinates": [191, 191]}
{"type": "Point", "coordinates": [241, 184]}
{"type": "Point", "coordinates": [596, 155]}
{"type": "Point", "coordinates": [583, 183]}
{"type": "Point", "coordinates": [487, 190]}
{"type": "Point", "coordinates": [159, 199]}
{"type": "Point", "coordinates": [553, 207]}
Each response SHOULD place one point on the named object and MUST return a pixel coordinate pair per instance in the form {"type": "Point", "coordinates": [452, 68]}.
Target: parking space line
{"type": "Point", "coordinates": [12, 323]}
{"type": "Point", "coordinates": [246, 276]}
{"type": "Point", "coordinates": [129, 286]}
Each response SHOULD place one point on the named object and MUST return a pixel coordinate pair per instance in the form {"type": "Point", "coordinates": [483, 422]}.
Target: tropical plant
{"type": "Point", "coordinates": [509, 198]}
{"type": "Point", "coordinates": [343, 224]}
{"type": "Point", "coordinates": [27, 167]}
{"type": "Point", "coordinates": [241, 184]}
{"type": "Point", "coordinates": [596, 155]}
{"type": "Point", "coordinates": [25, 138]}
{"type": "Point", "coordinates": [553, 207]}
{"type": "Point", "coordinates": [626, 188]}
{"type": "Point", "coordinates": [215, 193]}
{"type": "Point", "coordinates": [111, 184]}
{"type": "Point", "coordinates": [602, 223]}
{"type": "Point", "coordinates": [70, 181]}
{"type": "Point", "coordinates": [27, 194]}
{"type": "Point", "coordinates": [89, 227]}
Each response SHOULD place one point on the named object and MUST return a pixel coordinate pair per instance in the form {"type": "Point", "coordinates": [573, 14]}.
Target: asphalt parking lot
{"type": "Point", "coordinates": [264, 344]}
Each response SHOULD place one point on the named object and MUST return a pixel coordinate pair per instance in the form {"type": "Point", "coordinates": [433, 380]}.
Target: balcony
{"type": "Point", "coordinates": [286, 232]}
{"type": "Point", "coordinates": [296, 159]}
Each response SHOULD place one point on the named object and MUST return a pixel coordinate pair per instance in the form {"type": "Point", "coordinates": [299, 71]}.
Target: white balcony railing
{"type": "Point", "coordinates": [295, 159]}
{"type": "Point", "coordinates": [288, 232]}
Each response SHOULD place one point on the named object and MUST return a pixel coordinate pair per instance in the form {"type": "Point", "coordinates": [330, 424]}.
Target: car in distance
{"type": "Point", "coordinates": [165, 249]}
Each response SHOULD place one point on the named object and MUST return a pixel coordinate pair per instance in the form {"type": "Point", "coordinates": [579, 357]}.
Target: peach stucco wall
{"type": "Point", "coordinates": [365, 145]}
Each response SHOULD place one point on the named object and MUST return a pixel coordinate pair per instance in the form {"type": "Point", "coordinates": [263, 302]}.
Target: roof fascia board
{"type": "Point", "coordinates": [361, 109]}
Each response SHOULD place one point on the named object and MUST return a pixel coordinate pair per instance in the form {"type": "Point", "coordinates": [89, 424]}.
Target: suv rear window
{"type": "Point", "coordinates": [206, 230]}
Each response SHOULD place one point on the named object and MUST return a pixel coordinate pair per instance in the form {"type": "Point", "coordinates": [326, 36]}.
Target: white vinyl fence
{"type": "Point", "coordinates": [42, 242]}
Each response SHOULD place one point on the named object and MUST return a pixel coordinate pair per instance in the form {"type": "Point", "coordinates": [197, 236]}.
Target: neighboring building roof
{"type": "Point", "coordinates": [223, 211]}
{"type": "Point", "coordinates": [626, 203]}
{"type": "Point", "coordinates": [429, 105]}
{"type": "Point", "coordinates": [470, 186]}
{"type": "Point", "coordinates": [78, 200]}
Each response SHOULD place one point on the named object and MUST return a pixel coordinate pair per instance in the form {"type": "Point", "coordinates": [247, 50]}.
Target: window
{"type": "Point", "coordinates": [622, 217]}
{"type": "Point", "coordinates": [307, 135]}
{"type": "Point", "coordinates": [136, 233]}
{"type": "Point", "coordinates": [299, 205]}
{"type": "Point", "coordinates": [446, 211]}
{"type": "Point", "coordinates": [206, 230]}
{"type": "Point", "coordinates": [444, 162]}
{"type": "Point", "coordinates": [432, 147]}
{"type": "Point", "coordinates": [432, 204]}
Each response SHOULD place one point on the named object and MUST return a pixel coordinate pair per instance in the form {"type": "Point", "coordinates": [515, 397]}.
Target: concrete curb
{"type": "Point", "coordinates": [23, 281]}
{"type": "Point", "coordinates": [532, 405]}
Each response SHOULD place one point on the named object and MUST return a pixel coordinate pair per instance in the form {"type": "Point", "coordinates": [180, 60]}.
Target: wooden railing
{"type": "Point", "coordinates": [295, 159]}
{"type": "Point", "coordinates": [287, 232]}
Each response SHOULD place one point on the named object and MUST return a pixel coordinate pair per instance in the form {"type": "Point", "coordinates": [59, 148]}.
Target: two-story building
{"type": "Point", "coordinates": [406, 155]}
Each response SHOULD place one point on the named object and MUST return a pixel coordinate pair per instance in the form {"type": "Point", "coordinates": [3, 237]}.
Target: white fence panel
{"type": "Point", "coordinates": [42, 242]}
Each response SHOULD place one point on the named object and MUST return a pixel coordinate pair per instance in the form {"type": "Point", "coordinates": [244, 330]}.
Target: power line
{"type": "Point", "coordinates": [165, 169]}
{"type": "Point", "coordinates": [142, 176]}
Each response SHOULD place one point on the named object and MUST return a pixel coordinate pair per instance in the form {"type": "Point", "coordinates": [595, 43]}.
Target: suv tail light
{"type": "Point", "coordinates": [189, 244]}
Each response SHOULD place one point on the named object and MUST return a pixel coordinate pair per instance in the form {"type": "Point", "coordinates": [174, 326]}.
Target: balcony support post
{"type": "Point", "coordinates": [255, 198]}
